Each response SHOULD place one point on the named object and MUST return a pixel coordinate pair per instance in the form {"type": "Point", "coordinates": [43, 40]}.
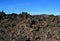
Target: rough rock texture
{"type": "Point", "coordinates": [25, 27]}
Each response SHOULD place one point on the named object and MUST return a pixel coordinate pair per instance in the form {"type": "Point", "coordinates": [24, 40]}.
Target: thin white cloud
{"type": "Point", "coordinates": [24, 4]}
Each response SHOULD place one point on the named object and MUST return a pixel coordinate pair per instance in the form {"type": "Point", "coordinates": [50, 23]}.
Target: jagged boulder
{"type": "Point", "coordinates": [24, 15]}
{"type": "Point", "coordinates": [2, 15]}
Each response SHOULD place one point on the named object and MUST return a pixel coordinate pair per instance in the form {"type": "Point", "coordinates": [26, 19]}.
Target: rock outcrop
{"type": "Point", "coordinates": [25, 27]}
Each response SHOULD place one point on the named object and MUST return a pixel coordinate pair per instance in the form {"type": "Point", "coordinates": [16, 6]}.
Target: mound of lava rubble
{"type": "Point", "coordinates": [26, 27]}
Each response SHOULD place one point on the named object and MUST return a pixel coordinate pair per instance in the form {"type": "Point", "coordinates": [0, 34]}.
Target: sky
{"type": "Point", "coordinates": [33, 7]}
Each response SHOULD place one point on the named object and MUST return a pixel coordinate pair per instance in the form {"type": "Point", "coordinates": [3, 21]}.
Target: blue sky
{"type": "Point", "coordinates": [31, 6]}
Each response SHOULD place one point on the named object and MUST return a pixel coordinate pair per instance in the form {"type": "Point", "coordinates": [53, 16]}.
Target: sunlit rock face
{"type": "Point", "coordinates": [25, 27]}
